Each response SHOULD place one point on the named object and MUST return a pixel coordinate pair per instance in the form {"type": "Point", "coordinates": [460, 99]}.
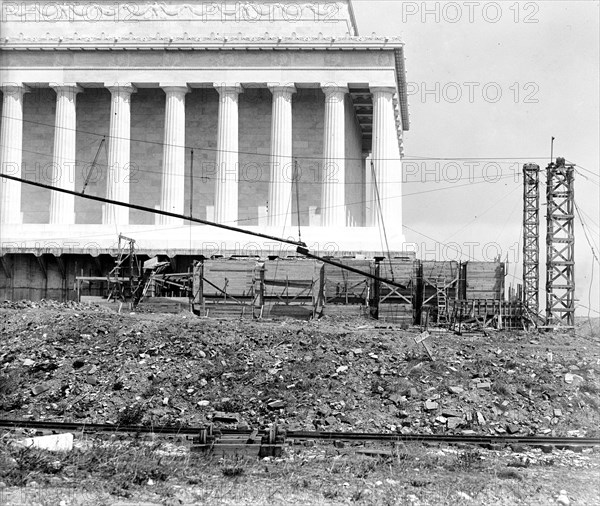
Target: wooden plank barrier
{"type": "Point", "coordinates": [390, 303]}
{"type": "Point", "coordinates": [227, 288]}
{"type": "Point", "coordinates": [345, 287]}
{"type": "Point", "coordinates": [485, 280]}
{"type": "Point", "coordinates": [293, 287]}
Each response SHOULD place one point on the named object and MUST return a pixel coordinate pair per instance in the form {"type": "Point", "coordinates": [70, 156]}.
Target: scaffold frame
{"type": "Point", "coordinates": [560, 245]}
{"type": "Point", "coordinates": [531, 239]}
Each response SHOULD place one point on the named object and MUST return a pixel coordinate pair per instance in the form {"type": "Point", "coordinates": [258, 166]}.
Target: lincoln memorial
{"type": "Point", "coordinates": [272, 116]}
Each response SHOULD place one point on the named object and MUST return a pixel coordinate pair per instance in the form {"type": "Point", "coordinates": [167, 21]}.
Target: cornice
{"type": "Point", "coordinates": [219, 42]}
{"type": "Point", "coordinates": [214, 41]}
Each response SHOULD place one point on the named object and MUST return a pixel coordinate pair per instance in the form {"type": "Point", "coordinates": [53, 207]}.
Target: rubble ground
{"type": "Point", "coordinates": [75, 362]}
{"type": "Point", "coordinates": [81, 363]}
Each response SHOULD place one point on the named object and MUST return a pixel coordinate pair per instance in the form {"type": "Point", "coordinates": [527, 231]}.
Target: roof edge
{"type": "Point", "coordinates": [402, 87]}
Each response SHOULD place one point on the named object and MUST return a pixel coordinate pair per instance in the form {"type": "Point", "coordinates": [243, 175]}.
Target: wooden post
{"type": "Point", "coordinates": [376, 291]}
{"type": "Point", "coordinates": [418, 291]}
{"type": "Point", "coordinates": [321, 297]}
{"type": "Point", "coordinates": [261, 288]}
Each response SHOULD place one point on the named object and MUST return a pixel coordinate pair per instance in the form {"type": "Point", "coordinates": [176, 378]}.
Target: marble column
{"type": "Point", "coordinates": [11, 152]}
{"type": "Point", "coordinates": [281, 163]}
{"type": "Point", "coordinates": [333, 209]}
{"type": "Point", "coordinates": [62, 206]}
{"type": "Point", "coordinates": [226, 183]}
{"type": "Point", "coordinates": [173, 166]}
{"type": "Point", "coordinates": [369, 190]}
{"type": "Point", "coordinates": [119, 143]}
{"type": "Point", "coordinates": [386, 160]}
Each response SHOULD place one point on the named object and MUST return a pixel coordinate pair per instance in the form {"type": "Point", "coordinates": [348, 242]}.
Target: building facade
{"type": "Point", "coordinates": [274, 116]}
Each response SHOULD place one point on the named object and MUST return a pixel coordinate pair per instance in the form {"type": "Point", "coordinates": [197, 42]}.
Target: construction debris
{"type": "Point", "coordinates": [52, 443]}
{"type": "Point", "coordinates": [327, 374]}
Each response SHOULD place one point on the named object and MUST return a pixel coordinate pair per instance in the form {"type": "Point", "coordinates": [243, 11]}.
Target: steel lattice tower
{"type": "Point", "coordinates": [531, 239]}
{"type": "Point", "coordinates": [560, 244]}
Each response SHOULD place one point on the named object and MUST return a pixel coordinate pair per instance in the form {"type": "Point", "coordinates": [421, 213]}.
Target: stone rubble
{"type": "Point", "coordinates": [75, 362]}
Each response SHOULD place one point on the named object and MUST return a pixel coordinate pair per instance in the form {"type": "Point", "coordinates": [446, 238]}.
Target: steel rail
{"type": "Point", "coordinates": [441, 438]}
{"type": "Point", "coordinates": [477, 439]}
{"type": "Point", "coordinates": [96, 427]}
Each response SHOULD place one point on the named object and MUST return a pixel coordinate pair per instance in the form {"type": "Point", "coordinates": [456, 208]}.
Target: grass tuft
{"type": "Point", "coordinates": [509, 474]}
{"type": "Point", "coordinates": [131, 415]}
{"type": "Point", "coordinates": [232, 471]}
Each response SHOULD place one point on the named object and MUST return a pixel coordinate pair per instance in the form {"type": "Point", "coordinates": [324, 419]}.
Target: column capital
{"type": "Point", "coordinates": [289, 88]}
{"type": "Point", "coordinates": [175, 88]}
{"type": "Point", "coordinates": [66, 88]}
{"type": "Point", "coordinates": [228, 88]}
{"type": "Point", "coordinates": [120, 88]}
{"type": "Point", "coordinates": [383, 90]}
{"type": "Point", "coordinates": [332, 88]}
{"type": "Point", "coordinates": [14, 89]}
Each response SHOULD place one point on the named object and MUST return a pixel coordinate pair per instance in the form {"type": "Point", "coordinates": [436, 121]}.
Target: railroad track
{"type": "Point", "coordinates": [557, 442]}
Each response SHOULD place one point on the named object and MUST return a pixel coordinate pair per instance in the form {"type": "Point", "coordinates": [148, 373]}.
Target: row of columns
{"type": "Point", "coordinates": [62, 209]}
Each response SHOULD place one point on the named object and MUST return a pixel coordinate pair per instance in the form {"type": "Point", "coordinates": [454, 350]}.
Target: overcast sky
{"type": "Point", "coordinates": [495, 80]}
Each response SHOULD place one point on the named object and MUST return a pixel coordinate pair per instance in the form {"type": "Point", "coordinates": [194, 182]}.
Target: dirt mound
{"type": "Point", "coordinates": [82, 364]}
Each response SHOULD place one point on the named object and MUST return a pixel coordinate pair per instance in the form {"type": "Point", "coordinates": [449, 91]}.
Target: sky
{"type": "Point", "coordinates": [489, 84]}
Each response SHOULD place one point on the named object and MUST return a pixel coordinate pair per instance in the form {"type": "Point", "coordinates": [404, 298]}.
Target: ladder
{"type": "Point", "coordinates": [442, 300]}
